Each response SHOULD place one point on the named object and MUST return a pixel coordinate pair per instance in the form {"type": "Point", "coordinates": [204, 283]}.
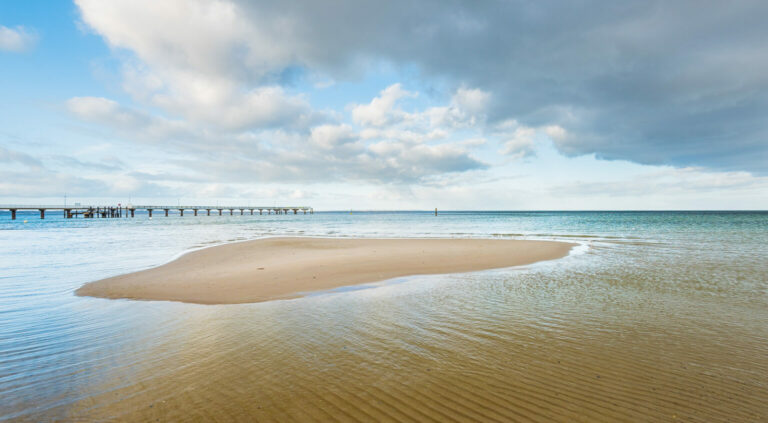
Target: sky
{"type": "Point", "coordinates": [354, 104]}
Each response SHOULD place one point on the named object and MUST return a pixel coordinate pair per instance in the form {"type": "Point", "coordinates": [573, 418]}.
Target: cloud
{"type": "Point", "coordinates": [329, 137]}
{"type": "Point", "coordinates": [520, 143]}
{"type": "Point", "coordinates": [671, 183]}
{"type": "Point", "coordinates": [11, 157]}
{"type": "Point", "coordinates": [381, 110]}
{"type": "Point", "coordinates": [108, 164]}
{"type": "Point", "coordinates": [409, 149]}
{"type": "Point", "coordinates": [140, 125]}
{"type": "Point", "coordinates": [194, 59]}
{"type": "Point", "coordinates": [16, 39]}
{"type": "Point", "coordinates": [679, 83]}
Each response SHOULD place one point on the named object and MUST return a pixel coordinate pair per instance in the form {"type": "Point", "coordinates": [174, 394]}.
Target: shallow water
{"type": "Point", "coordinates": [658, 316]}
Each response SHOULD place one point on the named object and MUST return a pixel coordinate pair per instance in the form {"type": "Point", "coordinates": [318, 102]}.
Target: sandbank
{"type": "Point", "coordinates": [282, 268]}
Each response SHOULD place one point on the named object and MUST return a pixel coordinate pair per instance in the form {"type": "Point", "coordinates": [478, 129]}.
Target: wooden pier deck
{"type": "Point", "coordinates": [129, 210]}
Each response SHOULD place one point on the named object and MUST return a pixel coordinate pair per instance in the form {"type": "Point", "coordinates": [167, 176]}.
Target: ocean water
{"type": "Point", "coordinates": [656, 316]}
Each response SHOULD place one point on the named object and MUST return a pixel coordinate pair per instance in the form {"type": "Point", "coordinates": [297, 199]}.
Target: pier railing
{"type": "Point", "coordinates": [129, 210]}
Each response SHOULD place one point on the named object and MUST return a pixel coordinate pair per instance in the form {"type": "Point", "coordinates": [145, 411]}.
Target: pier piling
{"type": "Point", "coordinates": [104, 212]}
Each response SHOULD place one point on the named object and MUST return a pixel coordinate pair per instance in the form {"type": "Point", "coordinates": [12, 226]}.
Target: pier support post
{"type": "Point", "coordinates": [209, 212]}
{"type": "Point", "coordinates": [295, 211]}
{"type": "Point", "coordinates": [219, 212]}
{"type": "Point", "coordinates": [251, 212]}
{"type": "Point", "coordinates": [132, 210]}
{"type": "Point", "coordinates": [42, 213]}
{"type": "Point", "coordinates": [150, 212]}
{"type": "Point", "coordinates": [231, 212]}
{"type": "Point", "coordinates": [195, 212]}
{"type": "Point", "coordinates": [13, 214]}
{"type": "Point", "coordinates": [260, 210]}
{"type": "Point", "coordinates": [241, 212]}
{"type": "Point", "coordinates": [305, 211]}
{"type": "Point", "coordinates": [181, 212]}
{"type": "Point", "coordinates": [166, 212]}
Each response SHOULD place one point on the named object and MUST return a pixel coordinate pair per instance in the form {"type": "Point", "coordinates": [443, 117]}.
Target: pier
{"type": "Point", "coordinates": [129, 210]}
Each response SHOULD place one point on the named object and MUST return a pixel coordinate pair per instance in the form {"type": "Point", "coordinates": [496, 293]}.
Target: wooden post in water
{"type": "Point", "coordinates": [435, 211]}
{"type": "Point", "coordinates": [42, 213]}
{"type": "Point", "coordinates": [150, 213]}
{"type": "Point", "coordinates": [166, 212]}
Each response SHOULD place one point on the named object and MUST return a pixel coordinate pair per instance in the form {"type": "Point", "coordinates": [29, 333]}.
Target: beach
{"type": "Point", "coordinates": [655, 316]}
{"type": "Point", "coordinates": [281, 268]}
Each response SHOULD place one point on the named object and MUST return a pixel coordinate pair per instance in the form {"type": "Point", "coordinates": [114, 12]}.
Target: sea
{"type": "Point", "coordinates": [654, 316]}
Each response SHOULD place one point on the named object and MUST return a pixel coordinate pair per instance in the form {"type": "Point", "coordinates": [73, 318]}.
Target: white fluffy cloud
{"type": "Point", "coordinates": [381, 110]}
{"type": "Point", "coordinates": [649, 81]}
{"type": "Point", "coordinates": [407, 149]}
{"type": "Point", "coordinates": [211, 81]}
{"type": "Point", "coordinates": [201, 60]}
{"type": "Point", "coordinates": [214, 69]}
{"type": "Point", "coordinates": [16, 39]}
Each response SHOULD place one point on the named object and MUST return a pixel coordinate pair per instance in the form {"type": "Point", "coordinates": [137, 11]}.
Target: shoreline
{"type": "Point", "coordinates": [286, 267]}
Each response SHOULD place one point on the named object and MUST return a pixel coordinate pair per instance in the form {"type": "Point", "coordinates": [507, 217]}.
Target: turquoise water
{"type": "Point", "coordinates": [704, 274]}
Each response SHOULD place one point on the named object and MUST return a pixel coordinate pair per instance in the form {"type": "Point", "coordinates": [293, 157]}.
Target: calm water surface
{"type": "Point", "coordinates": [657, 316]}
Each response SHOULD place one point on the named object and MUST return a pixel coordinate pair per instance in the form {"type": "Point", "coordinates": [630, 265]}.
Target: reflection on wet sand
{"type": "Point", "coordinates": [441, 349]}
{"type": "Point", "coordinates": [657, 316]}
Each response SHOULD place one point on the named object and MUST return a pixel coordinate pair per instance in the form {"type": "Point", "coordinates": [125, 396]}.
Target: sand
{"type": "Point", "coordinates": [282, 268]}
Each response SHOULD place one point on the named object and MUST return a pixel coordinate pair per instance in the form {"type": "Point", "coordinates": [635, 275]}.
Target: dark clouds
{"type": "Point", "coordinates": [658, 82]}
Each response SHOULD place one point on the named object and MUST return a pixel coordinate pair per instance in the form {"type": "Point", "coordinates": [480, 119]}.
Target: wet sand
{"type": "Point", "coordinates": [281, 268]}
